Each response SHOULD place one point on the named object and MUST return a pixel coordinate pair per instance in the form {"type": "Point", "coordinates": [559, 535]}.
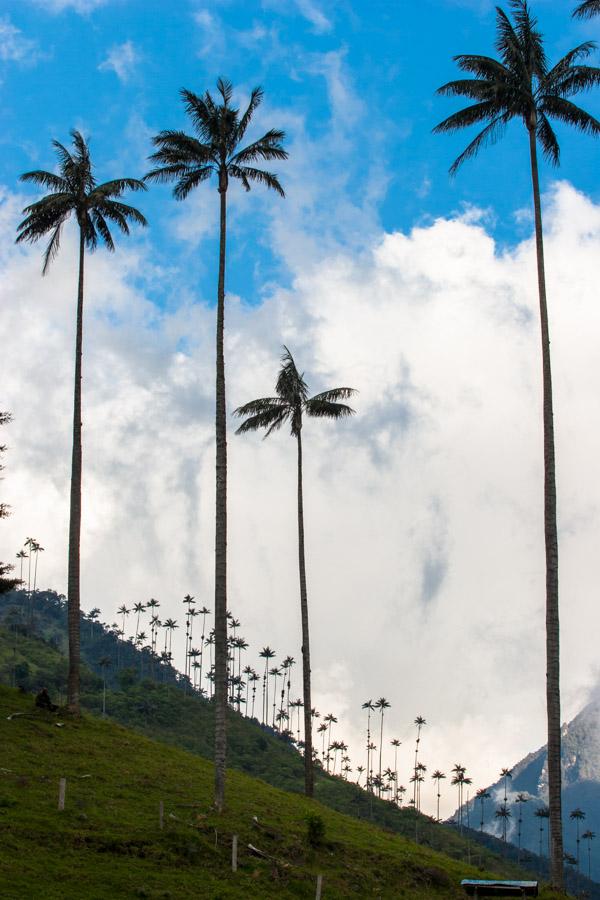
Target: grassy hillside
{"type": "Point", "coordinates": [107, 841]}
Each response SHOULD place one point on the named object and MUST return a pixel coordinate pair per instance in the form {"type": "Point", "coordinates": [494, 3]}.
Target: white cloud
{"type": "Point", "coordinates": [314, 15]}
{"type": "Point", "coordinates": [79, 6]}
{"type": "Point", "coordinates": [423, 513]}
{"type": "Point", "coordinates": [14, 46]}
{"type": "Point", "coordinates": [122, 59]}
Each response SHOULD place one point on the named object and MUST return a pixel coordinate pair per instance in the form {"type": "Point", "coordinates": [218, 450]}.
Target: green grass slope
{"type": "Point", "coordinates": [107, 841]}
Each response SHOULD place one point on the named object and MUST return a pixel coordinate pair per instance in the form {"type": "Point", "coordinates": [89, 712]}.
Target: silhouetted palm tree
{"type": "Point", "coordinates": [577, 816]}
{"type": "Point", "coordinates": [542, 813]}
{"type": "Point", "coordinates": [521, 85]}
{"type": "Point", "coordinates": [382, 704]}
{"type": "Point", "coordinates": [290, 405]}
{"type": "Point", "coordinates": [505, 774]}
{"type": "Point", "coordinates": [75, 191]}
{"type": "Point", "coordinates": [138, 609]}
{"type": "Point", "coordinates": [504, 813]}
{"type": "Point", "coordinates": [266, 653]}
{"type": "Point", "coordinates": [520, 799]}
{"type": "Point", "coordinates": [419, 722]}
{"type": "Point", "coordinates": [188, 160]}
{"type": "Point", "coordinates": [589, 837]}
{"type": "Point", "coordinates": [437, 777]}
{"type": "Point", "coordinates": [482, 795]}
{"type": "Point", "coordinates": [368, 705]}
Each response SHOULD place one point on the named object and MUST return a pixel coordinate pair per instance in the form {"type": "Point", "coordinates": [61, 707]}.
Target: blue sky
{"type": "Point", "coordinates": [352, 83]}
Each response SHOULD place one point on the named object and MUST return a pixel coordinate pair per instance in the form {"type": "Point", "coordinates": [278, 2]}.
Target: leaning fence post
{"type": "Point", "coordinates": [161, 814]}
{"type": "Point", "coordinates": [319, 886]}
{"type": "Point", "coordinates": [62, 790]}
{"type": "Point", "coordinates": [234, 846]}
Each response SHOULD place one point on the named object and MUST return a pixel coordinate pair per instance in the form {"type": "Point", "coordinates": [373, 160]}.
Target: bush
{"type": "Point", "coordinates": [315, 831]}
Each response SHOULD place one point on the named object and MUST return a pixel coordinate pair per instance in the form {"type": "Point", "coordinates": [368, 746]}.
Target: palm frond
{"type": "Point", "coordinates": [118, 186]}
{"type": "Point", "coordinates": [470, 115]}
{"type": "Point", "coordinates": [256, 98]}
{"type": "Point", "coordinates": [475, 88]}
{"type": "Point", "coordinates": [572, 80]}
{"type": "Point", "coordinates": [290, 384]}
{"type": "Point", "coordinates": [191, 179]}
{"type": "Point", "coordinates": [52, 248]}
{"type": "Point", "coordinates": [114, 208]}
{"type": "Point", "coordinates": [571, 114]}
{"type": "Point", "coordinates": [266, 147]}
{"type": "Point", "coordinates": [248, 174]}
{"type": "Point", "coordinates": [548, 140]}
{"type": "Point", "coordinates": [46, 179]}
{"type": "Point", "coordinates": [484, 67]}
{"type": "Point", "coordinates": [225, 88]}
{"type": "Point", "coordinates": [489, 135]}
{"type": "Point", "coordinates": [270, 419]}
{"type": "Point", "coordinates": [177, 147]}
{"type": "Point", "coordinates": [324, 409]}
{"type": "Point", "coordinates": [163, 174]}
{"type": "Point", "coordinates": [587, 9]}
{"type": "Point", "coordinates": [255, 407]}
{"type": "Point", "coordinates": [335, 394]}
{"type": "Point", "coordinates": [204, 115]}
{"type": "Point", "coordinates": [103, 230]}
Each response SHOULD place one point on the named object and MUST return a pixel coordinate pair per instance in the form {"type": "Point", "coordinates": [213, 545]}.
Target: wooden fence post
{"type": "Point", "coordinates": [234, 848]}
{"type": "Point", "coordinates": [319, 887]}
{"type": "Point", "coordinates": [62, 790]}
{"type": "Point", "coordinates": [161, 814]}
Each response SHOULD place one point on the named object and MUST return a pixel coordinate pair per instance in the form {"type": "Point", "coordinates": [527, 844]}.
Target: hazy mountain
{"type": "Point", "coordinates": [581, 790]}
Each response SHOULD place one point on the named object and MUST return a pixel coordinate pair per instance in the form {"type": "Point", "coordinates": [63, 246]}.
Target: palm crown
{"type": "Point", "coordinates": [520, 85]}
{"type": "Point", "coordinates": [74, 190]}
{"type": "Point", "coordinates": [291, 402]}
{"type": "Point", "coordinates": [219, 127]}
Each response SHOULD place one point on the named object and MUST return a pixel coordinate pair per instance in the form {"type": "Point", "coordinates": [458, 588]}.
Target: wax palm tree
{"type": "Point", "coordinates": [589, 837]}
{"type": "Point", "coordinates": [188, 160]}
{"type": "Point", "coordinates": [521, 85]}
{"type": "Point", "coordinates": [587, 9]}
{"type": "Point", "coordinates": [419, 722]}
{"type": "Point", "coordinates": [382, 704]}
{"type": "Point", "coordinates": [30, 544]}
{"type": "Point", "coordinates": [37, 549]}
{"type": "Point", "coordinates": [437, 777]}
{"type": "Point", "coordinates": [542, 813]}
{"type": "Point", "coordinates": [520, 799]}
{"type": "Point", "coordinates": [503, 813]}
{"type": "Point", "coordinates": [21, 555]}
{"type": "Point", "coordinates": [482, 795]}
{"type": "Point", "coordinates": [138, 609]}
{"type": "Point", "coordinates": [124, 612]}
{"type": "Point", "coordinates": [368, 705]}
{"type": "Point", "coordinates": [75, 191]}
{"type": "Point", "coordinates": [290, 405]}
{"type": "Point", "coordinates": [266, 653]}
{"type": "Point", "coordinates": [329, 720]}
{"type": "Point", "coordinates": [395, 744]}
{"type": "Point", "coordinates": [577, 816]}
{"type": "Point", "coordinates": [505, 774]}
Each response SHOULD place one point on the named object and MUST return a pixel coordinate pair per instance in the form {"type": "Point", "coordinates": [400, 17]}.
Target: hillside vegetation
{"type": "Point", "coordinates": [107, 841]}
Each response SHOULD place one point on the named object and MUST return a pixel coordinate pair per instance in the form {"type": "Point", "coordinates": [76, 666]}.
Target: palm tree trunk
{"type": "Point", "coordinates": [73, 590]}
{"type": "Point", "coordinates": [221, 526]}
{"type": "Point", "coordinates": [308, 760]}
{"type": "Point", "coordinates": [551, 541]}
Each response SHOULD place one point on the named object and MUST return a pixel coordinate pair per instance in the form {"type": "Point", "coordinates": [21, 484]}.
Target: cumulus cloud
{"type": "Point", "coordinates": [423, 513]}
{"type": "Point", "coordinates": [121, 59]}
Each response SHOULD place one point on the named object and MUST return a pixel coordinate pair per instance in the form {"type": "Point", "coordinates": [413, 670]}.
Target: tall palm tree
{"type": "Point", "coordinates": [505, 774]}
{"type": "Point", "coordinates": [520, 799]}
{"type": "Point", "coordinates": [395, 744]}
{"type": "Point", "coordinates": [577, 816]}
{"type": "Point", "coordinates": [419, 722]}
{"type": "Point", "coordinates": [368, 705]}
{"type": "Point", "coordinates": [587, 9]}
{"type": "Point", "coordinates": [542, 813]}
{"type": "Point", "coordinates": [138, 609]}
{"type": "Point", "coordinates": [521, 85]}
{"type": "Point", "coordinates": [75, 191]}
{"type": "Point", "coordinates": [437, 777]}
{"type": "Point", "coordinates": [290, 405]}
{"type": "Point", "coordinates": [382, 704]}
{"type": "Point", "coordinates": [188, 160]}
{"type": "Point", "coordinates": [482, 795]}
{"type": "Point", "coordinates": [589, 837]}
{"type": "Point", "coordinates": [21, 555]}
{"type": "Point", "coordinates": [37, 549]}
{"type": "Point", "coordinates": [503, 812]}
{"type": "Point", "coordinates": [266, 653]}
